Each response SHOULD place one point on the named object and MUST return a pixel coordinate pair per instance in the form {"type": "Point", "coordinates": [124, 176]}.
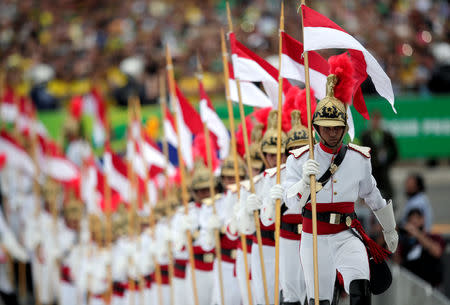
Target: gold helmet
{"type": "Point", "coordinates": [201, 176]}
{"type": "Point", "coordinates": [120, 221]}
{"type": "Point", "coordinates": [255, 146]}
{"type": "Point", "coordinates": [330, 111]}
{"type": "Point", "coordinates": [97, 228]}
{"type": "Point", "coordinates": [269, 140]}
{"type": "Point", "coordinates": [298, 135]}
{"type": "Point", "coordinates": [227, 169]}
{"type": "Point", "coordinates": [73, 209]}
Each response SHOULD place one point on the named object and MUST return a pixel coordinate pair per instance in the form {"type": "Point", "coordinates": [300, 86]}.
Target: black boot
{"type": "Point", "coordinates": [291, 303]}
{"type": "Point", "coordinates": [325, 302]}
{"type": "Point", "coordinates": [360, 292]}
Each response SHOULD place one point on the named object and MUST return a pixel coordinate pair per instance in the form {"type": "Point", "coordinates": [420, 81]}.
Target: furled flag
{"type": "Point", "coordinates": [249, 66]}
{"type": "Point", "coordinates": [218, 132]}
{"type": "Point", "coordinates": [95, 105]}
{"type": "Point", "coordinates": [322, 33]}
{"type": "Point", "coordinates": [251, 94]}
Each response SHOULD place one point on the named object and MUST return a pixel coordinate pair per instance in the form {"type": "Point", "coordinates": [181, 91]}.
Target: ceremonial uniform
{"type": "Point", "coordinates": [339, 247]}
{"type": "Point", "coordinates": [228, 244]}
{"type": "Point", "coordinates": [181, 258]}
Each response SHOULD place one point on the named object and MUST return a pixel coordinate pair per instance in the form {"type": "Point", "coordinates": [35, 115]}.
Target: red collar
{"type": "Point", "coordinates": [198, 204]}
{"type": "Point", "coordinates": [329, 150]}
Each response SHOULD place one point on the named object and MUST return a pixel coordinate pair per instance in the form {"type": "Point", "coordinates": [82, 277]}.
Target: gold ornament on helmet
{"type": "Point", "coordinates": [255, 146]}
{"type": "Point", "coordinates": [330, 111]}
{"type": "Point", "coordinates": [269, 140]}
{"type": "Point", "coordinates": [227, 168]}
{"type": "Point", "coordinates": [201, 176]}
{"type": "Point", "coordinates": [73, 209]}
{"type": "Point", "coordinates": [120, 222]}
{"type": "Point", "coordinates": [298, 135]}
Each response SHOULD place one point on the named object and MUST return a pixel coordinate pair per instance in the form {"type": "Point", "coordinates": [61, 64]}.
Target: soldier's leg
{"type": "Point", "coordinates": [240, 275]}
{"type": "Point", "coordinates": [292, 280]}
{"type": "Point", "coordinates": [352, 262]}
{"type": "Point", "coordinates": [327, 269]}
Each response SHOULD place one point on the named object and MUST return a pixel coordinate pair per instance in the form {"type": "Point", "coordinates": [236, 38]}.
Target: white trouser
{"type": "Point", "coordinates": [151, 296]}
{"type": "Point", "coordinates": [230, 284]}
{"type": "Point", "coordinates": [292, 280]}
{"type": "Point", "coordinates": [46, 279]}
{"type": "Point", "coordinates": [5, 282]}
{"type": "Point", "coordinates": [68, 293]}
{"type": "Point", "coordinates": [179, 290]}
{"type": "Point", "coordinates": [204, 282]}
{"type": "Point", "coordinates": [240, 276]}
{"type": "Point", "coordinates": [257, 279]}
{"type": "Point", "coordinates": [96, 301]}
{"type": "Point", "coordinates": [343, 252]}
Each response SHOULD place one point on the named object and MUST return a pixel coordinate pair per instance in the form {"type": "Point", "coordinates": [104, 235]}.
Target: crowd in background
{"type": "Point", "coordinates": [85, 41]}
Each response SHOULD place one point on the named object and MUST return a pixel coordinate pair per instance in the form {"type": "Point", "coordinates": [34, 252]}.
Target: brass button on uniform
{"type": "Point", "coordinates": [335, 193]}
{"type": "Point", "coordinates": [334, 181]}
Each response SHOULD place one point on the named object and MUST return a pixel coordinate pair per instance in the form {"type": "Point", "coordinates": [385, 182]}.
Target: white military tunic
{"type": "Point", "coordinates": [340, 251]}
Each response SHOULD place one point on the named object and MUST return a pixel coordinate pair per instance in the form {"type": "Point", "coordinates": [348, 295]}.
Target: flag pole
{"type": "Point", "coordinates": [184, 194]}
{"type": "Point", "coordinates": [312, 177]}
{"type": "Point", "coordinates": [163, 103]}
{"type": "Point", "coordinates": [250, 174]}
{"type": "Point", "coordinates": [235, 157]}
{"type": "Point", "coordinates": [278, 201]}
{"type": "Point", "coordinates": [212, 192]}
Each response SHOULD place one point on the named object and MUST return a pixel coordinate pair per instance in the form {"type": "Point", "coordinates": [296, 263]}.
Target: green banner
{"type": "Point", "coordinates": [421, 125]}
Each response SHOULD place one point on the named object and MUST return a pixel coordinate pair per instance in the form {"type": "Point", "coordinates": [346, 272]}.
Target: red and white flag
{"type": "Point", "coordinates": [155, 158]}
{"type": "Point", "coordinates": [54, 164]}
{"type": "Point", "coordinates": [218, 131]}
{"type": "Point", "coordinates": [293, 67]}
{"type": "Point", "coordinates": [250, 67]}
{"type": "Point", "coordinates": [322, 33]}
{"type": "Point", "coordinates": [189, 124]}
{"type": "Point", "coordinates": [250, 93]}
{"type": "Point", "coordinates": [8, 110]}
{"type": "Point", "coordinates": [16, 155]}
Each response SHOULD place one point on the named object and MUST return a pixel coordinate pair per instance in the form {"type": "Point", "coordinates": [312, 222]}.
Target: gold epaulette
{"type": "Point", "coordinates": [297, 153]}
{"type": "Point", "coordinates": [272, 171]}
{"type": "Point", "coordinates": [363, 150]}
{"type": "Point", "coordinates": [208, 201]}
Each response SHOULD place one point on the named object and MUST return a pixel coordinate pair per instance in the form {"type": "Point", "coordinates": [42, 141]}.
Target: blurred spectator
{"type": "Point", "coordinates": [417, 199]}
{"type": "Point", "coordinates": [419, 251]}
{"type": "Point", "coordinates": [40, 76]}
{"type": "Point", "coordinates": [384, 153]}
{"type": "Point", "coordinates": [78, 39]}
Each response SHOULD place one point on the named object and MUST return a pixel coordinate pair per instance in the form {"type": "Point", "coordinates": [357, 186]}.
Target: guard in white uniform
{"type": "Point", "coordinates": [292, 281]}
{"type": "Point", "coordinates": [197, 219]}
{"type": "Point", "coordinates": [340, 235]}
{"type": "Point", "coordinates": [228, 242]}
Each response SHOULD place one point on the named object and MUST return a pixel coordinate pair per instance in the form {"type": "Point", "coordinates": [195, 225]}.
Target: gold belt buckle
{"type": "Point", "coordinates": [348, 221]}
{"type": "Point", "coordinates": [233, 254]}
{"type": "Point", "coordinates": [335, 218]}
{"type": "Point", "coordinates": [208, 257]}
{"type": "Point", "coordinates": [299, 228]}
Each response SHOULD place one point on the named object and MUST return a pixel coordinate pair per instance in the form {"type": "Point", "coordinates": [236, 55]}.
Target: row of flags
{"type": "Point", "coordinates": [145, 157]}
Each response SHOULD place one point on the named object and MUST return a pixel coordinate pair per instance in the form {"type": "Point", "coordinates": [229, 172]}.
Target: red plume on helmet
{"type": "Point", "coordinates": [199, 150]}
{"type": "Point", "coordinates": [300, 104]}
{"type": "Point", "coordinates": [288, 106]}
{"type": "Point", "coordinates": [76, 107]}
{"type": "Point", "coordinates": [342, 67]}
{"type": "Point", "coordinates": [261, 115]}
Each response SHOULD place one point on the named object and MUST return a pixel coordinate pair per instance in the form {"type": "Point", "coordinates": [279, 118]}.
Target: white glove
{"type": "Point", "coordinates": [166, 235]}
{"type": "Point", "coordinates": [232, 229]}
{"type": "Point", "coordinates": [386, 218]}
{"type": "Point", "coordinates": [276, 192]}
{"type": "Point", "coordinates": [187, 223]}
{"type": "Point", "coordinates": [180, 240]}
{"type": "Point", "coordinates": [310, 167]}
{"type": "Point", "coordinates": [213, 222]}
{"type": "Point", "coordinates": [13, 247]}
{"type": "Point", "coordinates": [268, 214]}
{"type": "Point", "coordinates": [246, 224]}
{"type": "Point", "coordinates": [253, 203]}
